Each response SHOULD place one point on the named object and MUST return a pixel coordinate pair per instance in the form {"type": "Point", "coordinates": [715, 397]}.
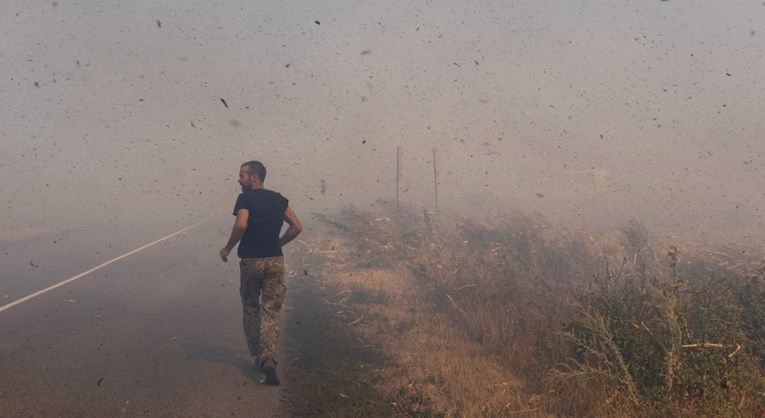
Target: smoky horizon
{"type": "Point", "coordinates": [589, 114]}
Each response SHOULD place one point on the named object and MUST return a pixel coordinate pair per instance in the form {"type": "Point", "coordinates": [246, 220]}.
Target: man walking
{"type": "Point", "coordinates": [260, 214]}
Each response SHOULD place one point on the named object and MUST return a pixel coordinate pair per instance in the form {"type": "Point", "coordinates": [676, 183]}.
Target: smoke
{"type": "Point", "coordinates": [588, 113]}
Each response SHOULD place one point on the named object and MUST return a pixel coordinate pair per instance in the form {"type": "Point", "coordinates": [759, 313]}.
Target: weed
{"type": "Point", "coordinates": [519, 318]}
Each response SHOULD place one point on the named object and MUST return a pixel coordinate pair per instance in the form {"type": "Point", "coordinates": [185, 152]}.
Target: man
{"type": "Point", "coordinates": [260, 214]}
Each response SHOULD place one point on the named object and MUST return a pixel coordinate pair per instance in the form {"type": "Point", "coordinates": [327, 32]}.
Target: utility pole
{"type": "Point", "coordinates": [435, 177]}
{"type": "Point", "coordinates": [398, 172]}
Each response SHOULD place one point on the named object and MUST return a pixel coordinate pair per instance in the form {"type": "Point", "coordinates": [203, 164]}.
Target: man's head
{"type": "Point", "coordinates": [252, 174]}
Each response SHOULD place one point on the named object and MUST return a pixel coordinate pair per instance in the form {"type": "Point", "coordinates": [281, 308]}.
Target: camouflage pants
{"type": "Point", "coordinates": [262, 290]}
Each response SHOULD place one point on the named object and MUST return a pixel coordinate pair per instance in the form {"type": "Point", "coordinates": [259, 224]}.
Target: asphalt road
{"type": "Point", "coordinates": [157, 333]}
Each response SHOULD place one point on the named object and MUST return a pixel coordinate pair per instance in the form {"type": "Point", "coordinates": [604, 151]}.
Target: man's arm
{"type": "Point", "coordinates": [237, 232]}
{"type": "Point", "coordinates": [294, 227]}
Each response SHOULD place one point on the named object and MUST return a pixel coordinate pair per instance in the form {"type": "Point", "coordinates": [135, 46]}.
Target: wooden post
{"type": "Point", "coordinates": [398, 172]}
{"type": "Point", "coordinates": [435, 177]}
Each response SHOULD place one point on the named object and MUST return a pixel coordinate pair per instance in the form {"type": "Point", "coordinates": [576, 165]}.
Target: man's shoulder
{"type": "Point", "coordinates": [270, 193]}
{"type": "Point", "coordinates": [264, 198]}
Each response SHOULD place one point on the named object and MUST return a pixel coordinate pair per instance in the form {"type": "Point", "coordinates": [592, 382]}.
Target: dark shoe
{"type": "Point", "coordinates": [269, 369]}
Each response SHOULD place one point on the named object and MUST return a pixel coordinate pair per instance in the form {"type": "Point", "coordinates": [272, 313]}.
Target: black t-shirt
{"type": "Point", "coordinates": [264, 224]}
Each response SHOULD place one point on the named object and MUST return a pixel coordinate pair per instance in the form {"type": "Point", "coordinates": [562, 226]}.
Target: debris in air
{"type": "Point", "coordinates": [33, 264]}
{"type": "Point", "coordinates": [159, 24]}
{"type": "Point", "coordinates": [99, 382]}
{"type": "Point", "coordinates": [224, 103]}
{"type": "Point", "coordinates": [317, 22]}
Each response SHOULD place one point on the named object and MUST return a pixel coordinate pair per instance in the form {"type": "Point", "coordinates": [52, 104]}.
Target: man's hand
{"type": "Point", "coordinates": [294, 227]}
{"type": "Point", "coordinates": [237, 232]}
{"type": "Point", "coordinates": [224, 252]}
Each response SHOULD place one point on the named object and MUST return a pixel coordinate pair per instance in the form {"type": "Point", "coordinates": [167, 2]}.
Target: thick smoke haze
{"type": "Point", "coordinates": [588, 112]}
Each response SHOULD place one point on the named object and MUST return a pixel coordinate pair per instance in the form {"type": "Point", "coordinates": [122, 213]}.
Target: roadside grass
{"type": "Point", "coordinates": [434, 315]}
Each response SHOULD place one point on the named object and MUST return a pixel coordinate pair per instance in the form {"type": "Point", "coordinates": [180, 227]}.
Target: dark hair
{"type": "Point", "coordinates": [256, 167]}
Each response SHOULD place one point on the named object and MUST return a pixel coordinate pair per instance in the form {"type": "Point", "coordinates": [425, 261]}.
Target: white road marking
{"type": "Point", "coordinates": [71, 279]}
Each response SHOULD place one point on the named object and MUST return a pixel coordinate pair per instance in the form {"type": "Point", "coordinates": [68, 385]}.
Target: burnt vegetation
{"type": "Point", "coordinates": [434, 315]}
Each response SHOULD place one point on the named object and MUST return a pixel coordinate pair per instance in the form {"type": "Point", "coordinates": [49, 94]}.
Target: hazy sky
{"type": "Point", "coordinates": [586, 111]}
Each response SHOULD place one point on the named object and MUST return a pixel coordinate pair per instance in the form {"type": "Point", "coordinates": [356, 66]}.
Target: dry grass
{"type": "Point", "coordinates": [518, 318]}
{"type": "Point", "coordinates": [437, 368]}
